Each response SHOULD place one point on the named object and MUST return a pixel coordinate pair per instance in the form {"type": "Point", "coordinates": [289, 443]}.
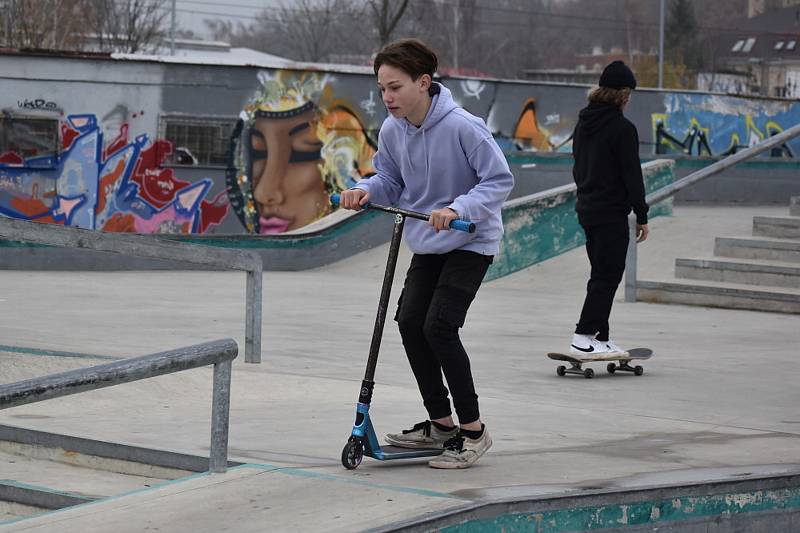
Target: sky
{"type": "Point", "coordinates": [191, 13]}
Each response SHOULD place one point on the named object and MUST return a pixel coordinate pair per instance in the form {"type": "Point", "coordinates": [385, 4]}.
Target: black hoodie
{"type": "Point", "coordinates": [607, 169]}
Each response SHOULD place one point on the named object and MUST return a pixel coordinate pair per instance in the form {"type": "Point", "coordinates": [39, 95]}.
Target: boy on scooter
{"type": "Point", "coordinates": [433, 156]}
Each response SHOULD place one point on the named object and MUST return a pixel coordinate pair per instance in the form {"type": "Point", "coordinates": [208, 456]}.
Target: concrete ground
{"type": "Point", "coordinates": [719, 397]}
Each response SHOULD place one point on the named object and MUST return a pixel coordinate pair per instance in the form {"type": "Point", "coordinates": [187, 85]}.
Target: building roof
{"type": "Point", "coordinates": [775, 35]}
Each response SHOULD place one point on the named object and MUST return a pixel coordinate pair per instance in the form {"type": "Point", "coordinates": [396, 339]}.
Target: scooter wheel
{"type": "Point", "coordinates": [352, 453]}
{"type": "Point", "coordinates": [561, 370]}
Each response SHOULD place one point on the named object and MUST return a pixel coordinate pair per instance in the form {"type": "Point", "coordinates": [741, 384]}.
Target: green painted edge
{"type": "Point", "coordinates": [680, 162]}
{"type": "Point", "coordinates": [54, 353]}
{"type": "Point", "coordinates": [540, 230]}
{"type": "Point", "coordinates": [622, 515]}
{"type": "Point", "coordinates": [299, 472]}
{"type": "Point", "coordinates": [110, 498]}
{"type": "Point", "coordinates": [40, 488]}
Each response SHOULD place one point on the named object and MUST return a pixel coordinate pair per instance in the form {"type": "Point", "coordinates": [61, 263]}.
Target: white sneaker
{"type": "Point", "coordinates": [422, 435]}
{"type": "Point", "coordinates": [587, 346]}
{"type": "Point", "coordinates": [462, 452]}
{"type": "Point", "coordinates": [614, 349]}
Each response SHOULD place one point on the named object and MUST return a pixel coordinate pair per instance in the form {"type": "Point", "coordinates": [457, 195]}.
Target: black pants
{"type": "Point", "coordinates": [438, 291]}
{"type": "Point", "coordinates": [606, 245]}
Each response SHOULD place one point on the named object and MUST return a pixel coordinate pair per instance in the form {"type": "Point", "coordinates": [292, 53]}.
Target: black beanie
{"type": "Point", "coordinates": [617, 75]}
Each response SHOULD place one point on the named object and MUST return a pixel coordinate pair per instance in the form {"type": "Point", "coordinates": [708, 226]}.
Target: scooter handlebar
{"type": "Point", "coordinates": [457, 224]}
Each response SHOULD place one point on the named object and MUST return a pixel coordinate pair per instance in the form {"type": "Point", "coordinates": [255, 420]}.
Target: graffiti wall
{"type": "Point", "coordinates": [702, 124]}
{"type": "Point", "coordinates": [115, 162]}
{"type": "Point", "coordinates": [118, 185]}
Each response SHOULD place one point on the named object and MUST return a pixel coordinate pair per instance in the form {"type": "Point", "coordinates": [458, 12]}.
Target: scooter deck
{"type": "Point", "coordinates": [390, 452]}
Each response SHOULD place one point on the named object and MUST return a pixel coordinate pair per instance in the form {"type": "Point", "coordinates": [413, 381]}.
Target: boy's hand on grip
{"type": "Point", "coordinates": [353, 199]}
{"type": "Point", "coordinates": [440, 219]}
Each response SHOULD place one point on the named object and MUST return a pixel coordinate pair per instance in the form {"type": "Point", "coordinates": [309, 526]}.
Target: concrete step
{"type": "Point", "coordinates": [794, 206]}
{"type": "Point", "coordinates": [750, 272]}
{"type": "Point", "coordinates": [786, 250]}
{"type": "Point", "coordinates": [44, 471]}
{"type": "Point", "coordinates": [716, 294]}
{"type": "Point", "coordinates": [780, 227]}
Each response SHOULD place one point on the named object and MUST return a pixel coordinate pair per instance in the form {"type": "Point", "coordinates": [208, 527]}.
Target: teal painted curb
{"type": "Point", "coordinates": [646, 513]}
{"type": "Point", "coordinates": [544, 225]}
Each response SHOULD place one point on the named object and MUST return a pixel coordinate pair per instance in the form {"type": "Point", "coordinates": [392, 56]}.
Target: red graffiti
{"type": "Point", "coordinates": [11, 158]}
{"type": "Point", "coordinates": [158, 186]}
{"type": "Point", "coordinates": [121, 223]}
{"type": "Point", "coordinates": [212, 213]}
{"type": "Point", "coordinates": [68, 135]}
{"type": "Point", "coordinates": [120, 142]}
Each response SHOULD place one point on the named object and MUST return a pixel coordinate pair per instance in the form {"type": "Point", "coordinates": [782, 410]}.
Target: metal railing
{"type": "Point", "coordinates": [706, 172]}
{"type": "Point", "coordinates": [220, 353]}
{"type": "Point", "coordinates": [154, 248]}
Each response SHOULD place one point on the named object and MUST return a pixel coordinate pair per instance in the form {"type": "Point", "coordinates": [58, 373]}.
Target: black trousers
{"type": "Point", "coordinates": [606, 245]}
{"type": "Point", "coordinates": [437, 293]}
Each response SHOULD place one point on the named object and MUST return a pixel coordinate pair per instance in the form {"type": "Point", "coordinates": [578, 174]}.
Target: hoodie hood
{"type": "Point", "coordinates": [594, 117]}
{"type": "Point", "coordinates": [441, 105]}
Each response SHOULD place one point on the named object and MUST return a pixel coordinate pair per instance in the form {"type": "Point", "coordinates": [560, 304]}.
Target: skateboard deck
{"type": "Point", "coordinates": [621, 360]}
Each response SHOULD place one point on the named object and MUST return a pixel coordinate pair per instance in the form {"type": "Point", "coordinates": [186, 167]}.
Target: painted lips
{"type": "Point", "coordinates": [273, 225]}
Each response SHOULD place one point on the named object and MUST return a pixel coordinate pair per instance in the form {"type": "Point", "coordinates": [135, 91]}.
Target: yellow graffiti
{"type": "Point", "coordinates": [527, 131]}
{"type": "Point", "coordinates": [347, 149]}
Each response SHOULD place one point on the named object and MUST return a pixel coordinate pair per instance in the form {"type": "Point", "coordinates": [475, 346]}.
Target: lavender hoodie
{"type": "Point", "coordinates": [450, 161]}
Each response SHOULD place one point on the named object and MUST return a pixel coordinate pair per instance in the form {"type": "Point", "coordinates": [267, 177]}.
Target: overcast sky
{"type": "Point", "coordinates": [191, 13]}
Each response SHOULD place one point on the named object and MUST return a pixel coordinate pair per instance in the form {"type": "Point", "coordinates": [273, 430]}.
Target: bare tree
{"type": "Point", "coordinates": [386, 16]}
{"type": "Point", "coordinates": [42, 24]}
{"type": "Point", "coordinates": [127, 25]}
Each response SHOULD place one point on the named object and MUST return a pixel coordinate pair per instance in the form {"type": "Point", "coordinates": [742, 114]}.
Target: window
{"type": "Point", "coordinates": [738, 46]}
{"type": "Point", "coordinates": [198, 141]}
{"type": "Point", "coordinates": [790, 45]}
{"type": "Point", "coordinates": [748, 46]}
{"type": "Point", "coordinates": [24, 137]}
{"type": "Point", "coordinates": [779, 45]}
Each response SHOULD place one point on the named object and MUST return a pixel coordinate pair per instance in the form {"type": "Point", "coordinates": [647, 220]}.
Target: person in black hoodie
{"type": "Point", "coordinates": [608, 174]}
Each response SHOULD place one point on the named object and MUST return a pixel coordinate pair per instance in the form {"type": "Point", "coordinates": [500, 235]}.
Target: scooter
{"type": "Point", "coordinates": [363, 440]}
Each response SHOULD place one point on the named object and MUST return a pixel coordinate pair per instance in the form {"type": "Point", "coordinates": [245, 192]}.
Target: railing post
{"type": "Point", "coordinates": [220, 411]}
{"type": "Point", "coordinates": [252, 329]}
{"type": "Point", "coordinates": [630, 263]}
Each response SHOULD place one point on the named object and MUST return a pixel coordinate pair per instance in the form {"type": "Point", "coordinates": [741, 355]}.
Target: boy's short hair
{"type": "Point", "coordinates": [607, 95]}
{"type": "Point", "coordinates": [409, 55]}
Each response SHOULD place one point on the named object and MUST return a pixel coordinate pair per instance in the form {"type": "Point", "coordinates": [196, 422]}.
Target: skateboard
{"type": "Point", "coordinates": [620, 365]}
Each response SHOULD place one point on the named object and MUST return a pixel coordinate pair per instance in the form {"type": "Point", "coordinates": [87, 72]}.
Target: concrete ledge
{"type": "Point", "coordinates": [38, 497]}
{"type": "Point", "coordinates": [756, 505]}
{"type": "Point", "coordinates": [726, 296]}
{"type": "Point", "coordinates": [121, 458]}
{"type": "Point", "coordinates": [758, 248]}
{"type": "Point", "coordinates": [780, 227]}
{"type": "Point", "coordinates": [749, 273]}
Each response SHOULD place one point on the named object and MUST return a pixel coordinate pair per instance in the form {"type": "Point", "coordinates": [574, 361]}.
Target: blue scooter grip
{"type": "Point", "coordinates": [463, 225]}
{"type": "Point", "coordinates": [335, 199]}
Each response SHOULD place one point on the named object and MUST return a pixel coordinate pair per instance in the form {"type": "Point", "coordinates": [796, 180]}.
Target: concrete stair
{"type": "Point", "coordinates": [41, 472]}
{"type": "Point", "coordinates": [760, 272]}
{"type": "Point", "coordinates": [786, 250]}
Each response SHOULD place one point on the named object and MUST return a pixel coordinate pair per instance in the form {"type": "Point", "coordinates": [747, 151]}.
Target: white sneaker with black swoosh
{"type": "Point", "coordinates": [587, 346]}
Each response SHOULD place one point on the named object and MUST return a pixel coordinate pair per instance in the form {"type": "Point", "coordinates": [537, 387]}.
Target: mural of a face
{"type": "Point", "coordinates": [289, 152]}
{"type": "Point", "coordinates": [285, 154]}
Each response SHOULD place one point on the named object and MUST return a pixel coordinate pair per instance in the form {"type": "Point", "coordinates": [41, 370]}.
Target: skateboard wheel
{"type": "Point", "coordinates": [561, 370]}
{"type": "Point", "coordinates": [588, 373]}
{"type": "Point", "coordinates": [638, 370]}
{"type": "Point", "coordinates": [611, 368]}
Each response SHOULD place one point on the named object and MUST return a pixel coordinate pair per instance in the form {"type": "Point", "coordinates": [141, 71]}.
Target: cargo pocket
{"type": "Point", "coordinates": [399, 305]}
{"type": "Point", "coordinates": [452, 308]}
